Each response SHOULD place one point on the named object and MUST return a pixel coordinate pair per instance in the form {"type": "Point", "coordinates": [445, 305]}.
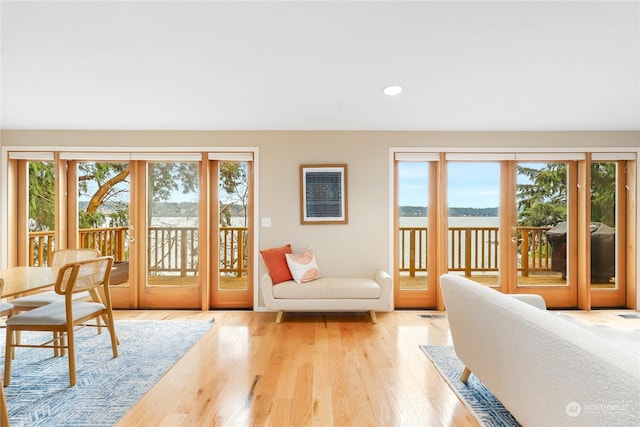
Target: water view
{"type": "Point", "coordinates": [454, 221]}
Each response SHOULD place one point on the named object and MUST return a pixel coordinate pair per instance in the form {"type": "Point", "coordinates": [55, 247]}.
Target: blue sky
{"type": "Point", "coordinates": [471, 184]}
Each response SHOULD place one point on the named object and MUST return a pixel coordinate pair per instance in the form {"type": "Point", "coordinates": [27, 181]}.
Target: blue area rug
{"type": "Point", "coordinates": [107, 387]}
{"type": "Point", "coordinates": [484, 406]}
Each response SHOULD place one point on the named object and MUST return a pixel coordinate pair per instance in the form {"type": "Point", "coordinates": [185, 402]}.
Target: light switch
{"type": "Point", "coordinates": [266, 222]}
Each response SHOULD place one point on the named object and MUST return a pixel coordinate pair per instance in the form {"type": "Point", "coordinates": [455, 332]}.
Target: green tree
{"type": "Point", "coordinates": [234, 191]}
{"type": "Point", "coordinates": [603, 193]}
{"type": "Point", "coordinates": [102, 183]}
{"type": "Point", "coordinates": [169, 177]}
{"type": "Point", "coordinates": [41, 191]}
{"type": "Point", "coordinates": [542, 201]}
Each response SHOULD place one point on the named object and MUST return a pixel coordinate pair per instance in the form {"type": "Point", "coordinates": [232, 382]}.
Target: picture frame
{"type": "Point", "coordinates": [323, 194]}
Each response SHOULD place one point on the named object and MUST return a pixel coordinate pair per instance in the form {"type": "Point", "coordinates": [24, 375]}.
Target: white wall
{"type": "Point", "coordinates": [359, 247]}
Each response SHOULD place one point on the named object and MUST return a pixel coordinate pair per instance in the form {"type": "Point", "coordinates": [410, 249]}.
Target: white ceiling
{"type": "Point", "coordinates": [302, 65]}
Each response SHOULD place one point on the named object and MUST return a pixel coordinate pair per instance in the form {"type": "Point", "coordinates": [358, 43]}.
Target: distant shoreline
{"type": "Point", "coordinates": [422, 211]}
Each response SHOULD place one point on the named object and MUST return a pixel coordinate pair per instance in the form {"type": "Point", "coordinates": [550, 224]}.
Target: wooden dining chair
{"type": "Point", "coordinates": [4, 413]}
{"type": "Point", "coordinates": [59, 258]}
{"type": "Point", "coordinates": [6, 308]}
{"type": "Point", "coordinates": [62, 318]}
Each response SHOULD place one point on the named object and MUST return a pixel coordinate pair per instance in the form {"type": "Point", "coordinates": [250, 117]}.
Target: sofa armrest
{"type": "Point", "coordinates": [386, 283]}
{"type": "Point", "coordinates": [266, 284]}
{"type": "Point", "coordinates": [531, 299]}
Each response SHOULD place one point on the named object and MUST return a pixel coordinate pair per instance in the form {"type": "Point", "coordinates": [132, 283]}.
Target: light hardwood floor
{"type": "Point", "coordinates": [310, 370]}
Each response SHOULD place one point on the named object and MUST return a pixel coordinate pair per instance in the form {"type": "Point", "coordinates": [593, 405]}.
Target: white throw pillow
{"type": "Point", "coordinates": [303, 267]}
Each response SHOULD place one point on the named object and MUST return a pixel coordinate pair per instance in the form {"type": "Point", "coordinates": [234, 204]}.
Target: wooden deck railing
{"type": "Point", "coordinates": [170, 250]}
{"type": "Point", "coordinates": [475, 249]}
{"type": "Point", "coordinates": [175, 250]}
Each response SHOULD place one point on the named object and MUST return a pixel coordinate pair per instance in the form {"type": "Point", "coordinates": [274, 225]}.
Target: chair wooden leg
{"type": "Point", "coordinates": [4, 413]}
{"type": "Point", "coordinates": [71, 356]}
{"type": "Point", "coordinates": [466, 373]}
{"type": "Point", "coordinates": [57, 352]}
{"type": "Point", "coordinates": [9, 351]}
{"type": "Point", "coordinates": [105, 319]}
{"type": "Point", "coordinates": [95, 297]}
{"type": "Point", "coordinates": [279, 316]}
{"type": "Point", "coordinates": [16, 340]}
{"type": "Point", "coordinates": [99, 323]}
{"type": "Point", "coordinates": [60, 340]}
{"type": "Point", "coordinates": [112, 332]}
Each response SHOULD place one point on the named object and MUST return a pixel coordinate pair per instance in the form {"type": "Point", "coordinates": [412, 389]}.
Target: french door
{"type": "Point", "coordinates": [474, 219]}
{"type": "Point", "coordinates": [613, 211]}
{"type": "Point", "coordinates": [179, 225]}
{"type": "Point", "coordinates": [546, 215]}
{"type": "Point", "coordinates": [557, 225]}
{"type": "Point", "coordinates": [168, 230]}
{"type": "Point", "coordinates": [231, 230]}
{"type": "Point", "coordinates": [415, 240]}
{"type": "Point", "coordinates": [194, 232]}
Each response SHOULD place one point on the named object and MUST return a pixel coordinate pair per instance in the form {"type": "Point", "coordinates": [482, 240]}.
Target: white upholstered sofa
{"type": "Point", "coordinates": [328, 294]}
{"type": "Point", "coordinates": [546, 370]}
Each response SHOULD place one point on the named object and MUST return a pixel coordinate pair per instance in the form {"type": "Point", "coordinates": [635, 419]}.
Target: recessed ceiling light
{"type": "Point", "coordinates": [392, 90]}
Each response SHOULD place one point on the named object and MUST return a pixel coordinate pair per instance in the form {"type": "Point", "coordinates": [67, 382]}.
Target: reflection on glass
{"type": "Point", "coordinates": [172, 209]}
{"type": "Point", "coordinates": [474, 220]}
{"type": "Point", "coordinates": [603, 224]}
{"type": "Point", "coordinates": [542, 224]}
{"type": "Point", "coordinates": [233, 201]}
{"type": "Point", "coordinates": [413, 196]}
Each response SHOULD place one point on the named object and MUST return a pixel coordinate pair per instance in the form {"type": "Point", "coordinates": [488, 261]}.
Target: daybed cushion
{"type": "Point", "coordinates": [329, 288]}
{"type": "Point", "coordinates": [276, 263]}
{"type": "Point", "coordinates": [303, 266]}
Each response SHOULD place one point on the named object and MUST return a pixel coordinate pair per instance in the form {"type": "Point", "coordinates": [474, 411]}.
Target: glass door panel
{"type": "Point", "coordinates": [172, 234]}
{"type": "Point", "coordinates": [547, 231]}
{"type": "Point", "coordinates": [543, 232]}
{"type": "Point", "coordinates": [474, 220]}
{"type": "Point", "coordinates": [415, 262]}
{"type": "Point", "coordinates": [103, 207]}
{"type": "Point", "coordinates": [233, 285]}
{"type": "Point", "coordinates": [603, 225]}
{"type": "Point", "coordinates": [413, 196]}
{"type": "Point", "coordinates": [608, 233]}
{"type": "Point", "coordinates": [233, 221]}
{"type": "Point", "coordinates": [41, 212]}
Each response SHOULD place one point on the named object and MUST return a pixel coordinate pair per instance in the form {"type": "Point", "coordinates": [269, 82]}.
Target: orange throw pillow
{"type": "Point", "coordinates": [276, 263]}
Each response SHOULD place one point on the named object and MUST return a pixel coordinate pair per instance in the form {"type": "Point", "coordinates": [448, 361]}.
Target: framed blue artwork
{"type": "Point", "coordinates": [323, 194]}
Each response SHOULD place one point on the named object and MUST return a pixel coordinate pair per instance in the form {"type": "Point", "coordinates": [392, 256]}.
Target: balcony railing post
{"type": "Point", "coordinates": [183, 252]}
{"type": "Point", "coordinates": [240, 256]}
{"type": "Point", "coordinates": [120, 244]}
{"type": "Point", "coordinates": [524, 253]}
{"type": "Point", "coordinates": [31, 251]}
{"type": "Point", "coordinates": [467, 252]}
{"type": "Point", "coordinates": [412, 253]}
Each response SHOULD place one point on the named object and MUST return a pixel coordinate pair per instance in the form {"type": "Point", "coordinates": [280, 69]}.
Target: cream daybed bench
{"type": "Point", "coordinates": [292, 292]}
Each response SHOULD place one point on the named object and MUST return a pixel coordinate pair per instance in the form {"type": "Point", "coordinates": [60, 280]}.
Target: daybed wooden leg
{"type": "Point", "coordinates": [279, 316]}
{"type": "Point", "coordinates": [465, 375]}
{"type": "Point", "coordinates": [374, 318]}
